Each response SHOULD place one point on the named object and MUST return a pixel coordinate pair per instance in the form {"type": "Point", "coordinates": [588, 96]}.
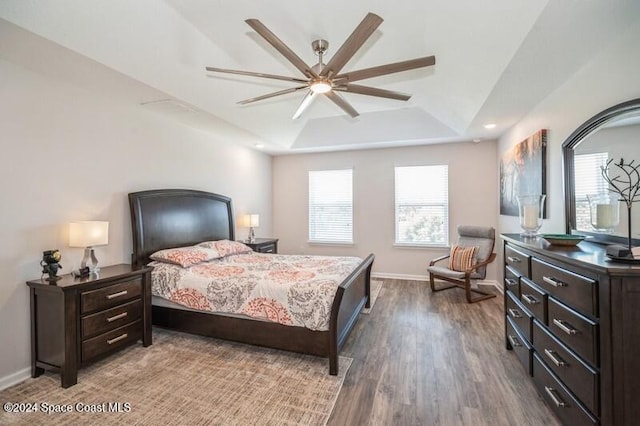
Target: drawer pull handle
{"type": "Point", "coordinates": [510, 282]}
{"type": "Point", "coordinates": [513, 259]}
{"type": "Point", "coordinates": [554, 282]}
{"type": "Point", "coordinates": [554, 397]}
{"type": "Point", "coordinates": [118, 294]}
{"type": "Point", "coordinates": [530, 299]}
{"type": "Point", "coordinates": [117, 317]}
{"type": "Point", "coordinates": [117, 339]}
{"type": "Point", "coordinates": [514, 313]}
{"type": "Point", "coordinates": [514, 342]}
{"type": "Point", "coordinates": [565, 326]}
{"type": "Point", "coordinates": [555, 358]}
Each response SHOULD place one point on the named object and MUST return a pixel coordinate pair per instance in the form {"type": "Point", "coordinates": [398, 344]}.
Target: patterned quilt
{"type": "Point", "coordinates": [288, 289]}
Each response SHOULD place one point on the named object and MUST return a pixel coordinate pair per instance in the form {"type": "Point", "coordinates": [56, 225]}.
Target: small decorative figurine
{"type": "Point", "coordinates": [50, 265]}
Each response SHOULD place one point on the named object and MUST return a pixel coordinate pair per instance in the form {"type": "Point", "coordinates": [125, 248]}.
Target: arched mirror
{"type": "Point", "coordinates": [612, 134]}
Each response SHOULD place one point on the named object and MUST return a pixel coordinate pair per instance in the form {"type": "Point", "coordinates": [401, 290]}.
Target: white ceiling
{"type": "Point", "coordinates": [495, 61]}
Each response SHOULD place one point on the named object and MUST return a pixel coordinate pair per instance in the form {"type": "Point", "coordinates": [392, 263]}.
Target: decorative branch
{"type": "Point", "coordinates": [626, 184]}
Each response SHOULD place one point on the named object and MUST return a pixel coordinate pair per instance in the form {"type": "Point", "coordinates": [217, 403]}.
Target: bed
{"type": "Point", "coordinates": [170, 218]}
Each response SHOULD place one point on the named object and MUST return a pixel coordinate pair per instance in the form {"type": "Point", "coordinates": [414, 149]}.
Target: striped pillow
{"type": "Point", "coordinates": [462, 258]}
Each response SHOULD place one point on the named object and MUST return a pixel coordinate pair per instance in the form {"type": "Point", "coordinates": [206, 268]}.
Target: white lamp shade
{"type": "Point", "coordinates": [88, 233]}
{"type": "Point", "coordinates": [251, 220]}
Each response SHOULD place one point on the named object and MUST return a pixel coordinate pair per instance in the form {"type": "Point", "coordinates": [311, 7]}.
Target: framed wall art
{"type": "Point", "coordinates": [523, 172]}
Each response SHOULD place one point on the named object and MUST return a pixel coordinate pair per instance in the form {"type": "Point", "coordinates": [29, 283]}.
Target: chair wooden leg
{"type": "Point", "coordinates": [469, 290]}
{"type": "Point", "coordinates": [433, 284]}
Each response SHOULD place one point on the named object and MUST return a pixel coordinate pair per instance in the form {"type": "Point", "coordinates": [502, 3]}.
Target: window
{"type": "Point", "coordinates": [588, 178]}
{"type": "Point", "coordinates": [422, 205]}
{"type": "Point", "coordinates": [331, 206]}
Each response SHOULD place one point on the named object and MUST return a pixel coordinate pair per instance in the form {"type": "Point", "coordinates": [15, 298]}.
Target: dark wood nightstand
{"type": "Point", "coordinates": [75, 321]}
{"type": "Point", "coordinates": [264, 245]}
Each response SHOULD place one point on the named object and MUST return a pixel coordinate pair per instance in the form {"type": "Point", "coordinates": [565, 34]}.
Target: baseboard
{"type": "Point", "coordinates": [383, 275]}
{"type": "Point", "coordinates": [15, 378]}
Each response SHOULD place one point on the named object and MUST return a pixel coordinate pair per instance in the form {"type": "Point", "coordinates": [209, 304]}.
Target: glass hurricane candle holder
{"type": "Point", "coordinates": [530, 208]}
{"type": "Point", "coordinates": [604, 212]}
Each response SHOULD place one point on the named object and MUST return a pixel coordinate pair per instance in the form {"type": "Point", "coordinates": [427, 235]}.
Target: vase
{"type": "Point", "coordinates": [604, 212]}
{"type": "Point", "coordinates": [530, 208]}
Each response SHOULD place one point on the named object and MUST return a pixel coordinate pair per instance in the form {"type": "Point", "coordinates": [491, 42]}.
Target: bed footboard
{"type": "Point", "coordinates": [353, 294]}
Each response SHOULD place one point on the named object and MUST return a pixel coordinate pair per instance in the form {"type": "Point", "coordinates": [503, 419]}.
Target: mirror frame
{"type": "Point", "coordinates": [586, 129]}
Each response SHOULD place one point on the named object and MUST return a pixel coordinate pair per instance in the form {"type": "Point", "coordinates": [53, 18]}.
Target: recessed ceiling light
{"type": "Point", "coordinates": [490, 126]}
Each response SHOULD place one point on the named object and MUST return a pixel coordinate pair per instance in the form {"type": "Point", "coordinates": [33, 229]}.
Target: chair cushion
{"type": "Point", "coordinates": [444, 272]}
{"type": "Point", "coordinates": [462, 258]}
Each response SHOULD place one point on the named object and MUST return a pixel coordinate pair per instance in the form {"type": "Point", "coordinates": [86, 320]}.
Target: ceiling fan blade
{"type": "Point", "coordinates": [387, 69]}
{"type": "Point", "coordinates": [305, 104]}
{"type": "Point", "coordinates": [339, 100]}
{"type": "Point", "coordinates": [271, 95]}
{"type": "Point", "coordinates": [372, 91]}
{"type": "Point", "coordinates": [256, 74]}
{"type": "Point", "coordinates": [357, 38]}
{"type": "Point", "coordinates": [273, 40]}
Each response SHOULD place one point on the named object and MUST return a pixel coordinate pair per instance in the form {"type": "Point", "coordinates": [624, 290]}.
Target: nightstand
{"type": "Point", "coordinates": [75, 321]}
{"type": "Point", "coordinates": [264, 245]}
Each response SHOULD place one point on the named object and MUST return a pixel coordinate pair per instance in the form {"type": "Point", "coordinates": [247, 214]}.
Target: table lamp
{"type": "Point", "coordinates": [251, 221]}
{"type": "Point", "coordinates": [88, 234]}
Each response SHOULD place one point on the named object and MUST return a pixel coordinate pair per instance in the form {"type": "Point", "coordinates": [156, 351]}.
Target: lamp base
{"type": "Point", "coordinates": [252, 237]}
{"type": "Point", "coordinates": [90, 256]}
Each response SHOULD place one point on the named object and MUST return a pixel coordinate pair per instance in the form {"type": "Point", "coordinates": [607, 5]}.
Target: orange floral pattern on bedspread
{"type": "Point", "coordinates": [291, 290]}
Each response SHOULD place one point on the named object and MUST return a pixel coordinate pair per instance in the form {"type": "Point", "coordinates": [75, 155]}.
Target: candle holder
{"type": "Point", "coordinates": [604, 212]}
{"type": "Point", "coordinates": [530, 209]}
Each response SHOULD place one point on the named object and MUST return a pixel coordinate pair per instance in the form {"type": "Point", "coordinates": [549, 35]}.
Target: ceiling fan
{"type": "Point", "coordinates": [326, 79]}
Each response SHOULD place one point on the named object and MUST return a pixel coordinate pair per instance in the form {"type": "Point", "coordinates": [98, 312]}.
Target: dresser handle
{"type": "Point", "coordinates": [118, 294]}
{"type": "Point", "coordinates": [117, 317]}
{"type": "Point", "coordinates": [554, 397]}
{"type": "Point", "coordinates": [514, 313]}
{"type": "Point", "coordinates": [554, 282]}
{"type": "Point", "coordinates": [117, 339]}
{"type": "Point", "coordinates": [530, 299]}
{"type": "Point", "coordinates": [513, 259]}
{"type": "Point", "coordinates": [565, 326]}
{"type": "Point", "coordinates": [510, 282]}
{"type": "Point", "coordinates": [514, 342]}
{"type": "Point", "coordinates": [555, 358]}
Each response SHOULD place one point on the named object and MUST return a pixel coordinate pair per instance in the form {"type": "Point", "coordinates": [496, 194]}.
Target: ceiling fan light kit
{"type": "Point", "coordinates": [326, 79]}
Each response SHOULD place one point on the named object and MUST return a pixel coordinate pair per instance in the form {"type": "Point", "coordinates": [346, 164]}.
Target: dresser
{"type": "Point", "coordinates": [75, 321]}
{"type": "Point", "coordinates": [572, 318]}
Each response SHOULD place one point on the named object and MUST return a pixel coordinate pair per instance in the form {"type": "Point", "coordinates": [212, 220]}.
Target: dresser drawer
{"type": "Point", "coordinates": [534, 299]}
{"type": "Point", "coordinates": [520, 346]}
{"type": "Point", "coordinates": [511, 281]}
{"type": "Point", "coordinates": [519, 315]}
{"type": "Point", "coordinates": [558, 397]}
{"type": "Point", "coordinates": [580, 378]}
{"type": "Point", "coordinates": [518, 261]}
{"type": "Point", "coordinates": [573, 289]}
{"type": "Point", "coordinates": [110, 319]}
{"type": "Point", "coordinates": [107, 297]}
{"type": "Point", "coordinates": [575, 330]}
{"type": "Point", "coordinates": [111, 340]}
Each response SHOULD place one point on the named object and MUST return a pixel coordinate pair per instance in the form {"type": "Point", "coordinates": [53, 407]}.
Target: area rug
{"type": "Point", "coordinates": [376, 286]}
{"type": "Point", "coordinates": [186, 379]}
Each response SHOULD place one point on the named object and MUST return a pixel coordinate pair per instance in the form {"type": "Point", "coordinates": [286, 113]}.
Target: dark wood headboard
{"type": "Point", "coordinates": [166, 218]}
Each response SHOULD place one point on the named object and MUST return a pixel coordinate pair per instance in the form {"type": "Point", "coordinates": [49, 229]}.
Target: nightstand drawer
{"type": "Point", "coordinates": [110, 319]}
{"type": "Point", "coordinates": [109, 296]}
{"type": "Point", "coordinates": [268, 248]}
{"type": "Point", "coordinates": [111, 340]}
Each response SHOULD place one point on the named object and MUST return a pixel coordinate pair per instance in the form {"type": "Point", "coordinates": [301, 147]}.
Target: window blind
{"type": "Point", "coordinates": [588, 180]}
{"type": "Point", "coordinates": [422, 205]}
{"type": "Point", "coordinates": [331, 206]}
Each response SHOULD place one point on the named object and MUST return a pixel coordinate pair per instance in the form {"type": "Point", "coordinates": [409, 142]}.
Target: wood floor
{"type": "Point", "coordinates": [423, 358]}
